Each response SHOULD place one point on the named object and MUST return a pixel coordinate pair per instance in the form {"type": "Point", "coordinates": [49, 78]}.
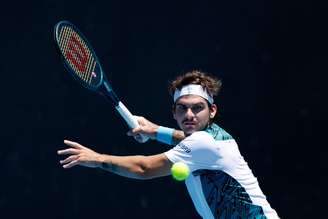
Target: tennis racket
{"type": "Point", "coordinates": [82, 63]}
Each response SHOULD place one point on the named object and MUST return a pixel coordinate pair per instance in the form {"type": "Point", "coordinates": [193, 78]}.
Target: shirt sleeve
{"type": "Point", "coordinates": [198, 151]}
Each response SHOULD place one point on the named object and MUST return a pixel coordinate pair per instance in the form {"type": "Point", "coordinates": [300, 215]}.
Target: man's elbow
{"type": "Point", "coordinates": [144, 171]}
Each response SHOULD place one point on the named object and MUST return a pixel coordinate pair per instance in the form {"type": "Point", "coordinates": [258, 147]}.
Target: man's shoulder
{"type": "Point", "coordinates": [218, 133]}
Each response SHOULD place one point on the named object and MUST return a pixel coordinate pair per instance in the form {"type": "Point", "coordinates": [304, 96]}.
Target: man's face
{"type": "Point", "coordinates": [192, 113]}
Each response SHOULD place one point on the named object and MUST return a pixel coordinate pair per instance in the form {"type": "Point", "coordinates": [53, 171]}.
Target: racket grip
{"type": "Point", "coordinates": [130, 119]}
{"type": "Point", "coordinates": [127, 116]}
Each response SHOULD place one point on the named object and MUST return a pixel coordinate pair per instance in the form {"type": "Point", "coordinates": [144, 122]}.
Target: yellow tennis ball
{"type": "Point", "coordinates": [180, 171]}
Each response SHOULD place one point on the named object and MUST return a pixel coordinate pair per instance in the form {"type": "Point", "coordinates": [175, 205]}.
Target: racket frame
{"type": "Point", "coordinates": [103, 87]}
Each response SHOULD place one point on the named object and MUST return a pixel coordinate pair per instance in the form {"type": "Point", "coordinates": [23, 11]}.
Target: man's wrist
{"type": "Point", "coordinates": [102, 162]}
{"type": "Point", "coordinates": [164, 135]}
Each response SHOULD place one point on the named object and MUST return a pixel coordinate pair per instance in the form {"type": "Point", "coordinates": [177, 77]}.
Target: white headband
{"type": "Point", "coordinates": [194, 89]}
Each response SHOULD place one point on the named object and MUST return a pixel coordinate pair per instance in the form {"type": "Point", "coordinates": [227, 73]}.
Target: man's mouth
{"type": "Point", "coordinates": [189, 123]}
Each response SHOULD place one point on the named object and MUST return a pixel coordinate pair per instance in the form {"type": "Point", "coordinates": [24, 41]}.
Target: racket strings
{"type": "Point", "coordinates": [77, 54]}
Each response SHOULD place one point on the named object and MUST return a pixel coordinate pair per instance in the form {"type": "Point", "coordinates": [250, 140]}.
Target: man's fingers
{"type": "Point", "coordinates": [76, 153]}
{"type": "Point", "coordinates": [137, 130]}
{"type": "Point", "coordinates": [73, 144]}
{"type": "Point", "coordinates": [71, 164]}
{"type": "Point", "coordinates": [68, 151]}
{"type": "Point", "coordinates": [69, 159]}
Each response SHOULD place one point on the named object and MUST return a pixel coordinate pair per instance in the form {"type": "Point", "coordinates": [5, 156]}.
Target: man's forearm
{"type": "Point", "coordinates": [127, 166]}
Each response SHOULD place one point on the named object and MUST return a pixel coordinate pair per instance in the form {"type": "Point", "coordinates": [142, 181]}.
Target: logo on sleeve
{"type": "Point", "coordinates": [184, 147]}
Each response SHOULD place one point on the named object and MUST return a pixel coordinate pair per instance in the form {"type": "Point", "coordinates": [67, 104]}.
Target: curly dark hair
{"type": "Point", "coordinates": [211, 83]}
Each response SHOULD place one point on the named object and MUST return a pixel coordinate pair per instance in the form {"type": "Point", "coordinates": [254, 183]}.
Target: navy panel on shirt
{"type": "Point", "coordinates": [226, 197]}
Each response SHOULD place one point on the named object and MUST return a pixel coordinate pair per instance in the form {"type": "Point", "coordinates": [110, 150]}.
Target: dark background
{"type": "Point", "coordinates": [272, 59]}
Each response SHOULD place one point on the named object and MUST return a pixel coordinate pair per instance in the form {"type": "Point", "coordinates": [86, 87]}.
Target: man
{"type": "Point", "coordinates": [221, 184]}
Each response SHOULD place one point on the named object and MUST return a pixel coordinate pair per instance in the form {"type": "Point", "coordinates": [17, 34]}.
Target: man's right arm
{"type": "Point", "coordinates": [151, 130]}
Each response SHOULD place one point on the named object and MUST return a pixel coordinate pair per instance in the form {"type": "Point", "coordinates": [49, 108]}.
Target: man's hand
{"type": "Point", "coordinates": [79, 155]}
{"type": "Point", "coordinates": [145, 127]}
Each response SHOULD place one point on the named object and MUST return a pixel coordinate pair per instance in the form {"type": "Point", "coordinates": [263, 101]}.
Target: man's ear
{"type": "Point", "coordinates": [213, 110]}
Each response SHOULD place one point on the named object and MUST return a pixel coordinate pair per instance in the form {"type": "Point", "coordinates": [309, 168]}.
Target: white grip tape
{"type": "Point", "coordinates": [127, 116]}
{"type": "Point", "coordinates": [131, 120]}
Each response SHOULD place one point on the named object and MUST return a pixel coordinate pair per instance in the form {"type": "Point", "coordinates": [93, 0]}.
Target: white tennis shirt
{"type": "Point", "coordinates": [221, 184]}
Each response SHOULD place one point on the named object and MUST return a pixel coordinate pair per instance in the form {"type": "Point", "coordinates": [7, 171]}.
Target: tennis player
{"type": "Point", "coordinates": [221, 184]}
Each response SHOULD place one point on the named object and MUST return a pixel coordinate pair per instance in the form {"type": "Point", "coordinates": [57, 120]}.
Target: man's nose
{"type": "Point", "coordinates": [190, 114]}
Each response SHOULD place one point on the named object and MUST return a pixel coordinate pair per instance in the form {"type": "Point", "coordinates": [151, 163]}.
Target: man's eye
{"type": "Point", "coordinates": [181, 107]}
{"type": "Point", "coordinates": [197, 108]}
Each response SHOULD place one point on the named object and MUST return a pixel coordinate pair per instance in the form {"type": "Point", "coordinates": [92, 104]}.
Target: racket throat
{"type": "Point", "coordinates": [110, 94]}
{"type": "Point", "coordinates": [119, 106]}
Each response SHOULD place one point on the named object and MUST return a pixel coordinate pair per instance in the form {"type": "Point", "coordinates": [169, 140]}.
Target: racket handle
{"type": "Point", "coordinates": [130, 119]}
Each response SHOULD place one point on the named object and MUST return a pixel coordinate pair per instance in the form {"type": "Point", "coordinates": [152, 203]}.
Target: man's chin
{"type": "Point", "coordinates": [188, 132]}
{"type": "Point", "coordinates": [191, 129]}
